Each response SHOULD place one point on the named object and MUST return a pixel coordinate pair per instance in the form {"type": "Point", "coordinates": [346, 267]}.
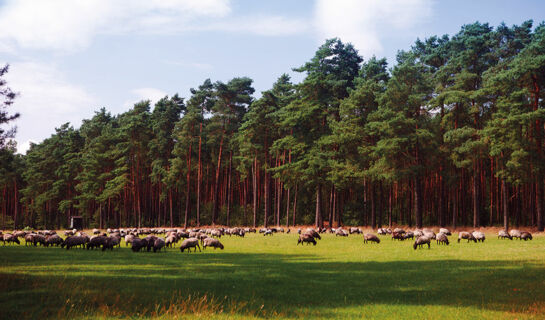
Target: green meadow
{"type": "Point", "coordinates": [272, 277]}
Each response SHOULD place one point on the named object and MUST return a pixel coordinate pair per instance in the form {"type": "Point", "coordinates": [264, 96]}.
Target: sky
{"type": "Point", "coordinates": [69, 58]}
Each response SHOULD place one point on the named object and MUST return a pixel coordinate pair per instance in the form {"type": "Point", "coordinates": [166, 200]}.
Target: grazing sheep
{"type": "Point", "coordinates": [73, 241]}
{"type": "Point", "coordinates": [382, 231]}
{"type": "Point", "coordinates": [190, 243]}
{"type": "Point", "coordinates": [29, 238]}
{"type": "Point", "coordinates": [217, 233]}
{"type": "Point", "coordinates": [171, 240]}
{"type": "Point", "coordinates": [53, 240]}
{"type": "Point", "coordinates": [398, 236]}
{"type": "Point", "coordinates": [418, 233]}
{"type": "Point", "coordinates": [268, 232]}
{"type": "Point", "coordinates": [526, 236]}
{"type": "Point", "coordinates": [96, 242]}
{"type": "Point", "coordinates": [399, 230]}
{"type": "Point", "coordinates": [96, 231]}
{"type": "Point", "coordinates": [306, 238]}
{"type": "Point", "coordinates": [138, 244]}
{"type": "Point", "coordinates": [313, 233]}
{"type": "Point", "coordinates": [466, 235]}
{"type": "Point", "coordinates": [515, 234]}
{"type": "Point", "coordinates": [445, 231]}
{"type": "Point", "coordinates": [479, 236]}
{"type": "Point", "coordinates": [408, 235]}
{"type": "Point", "coordinates": [421, 241]}
{"type": "Point", "coordinates": [129, 239]}
{"type": "Point", "coordinates": [158, 244]}
{"type": "Point", "coordinates": [370, 237]}
{"type": "Point", "coordinates": [502, 234]}
{"type": "Point", "coordinates": [211, 242]}
{"type": "Point", "coordinates": [355, 230]}
{"type": "Point", "coordinates": [10, 238]}
{"type": "Point", "coordinates": [442, 238]}
{"type": "Point", "coordinates": [150, 240]}
{"type": "Point", "coordinates": [116, 239]}
{"type": "Point", "coordinates": [428, 233]}
{"type": "Point", "coordinates": [38, 239]}
{"type": "Point", "coordinates": [341, 232]}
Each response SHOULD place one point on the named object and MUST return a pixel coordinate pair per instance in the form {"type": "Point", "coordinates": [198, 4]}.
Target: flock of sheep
{"type": "Point", "coordinates": [158, 239]}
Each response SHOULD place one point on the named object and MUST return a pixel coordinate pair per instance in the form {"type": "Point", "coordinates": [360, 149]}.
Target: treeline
{"type": "Point", "coordinates": [451, 135]}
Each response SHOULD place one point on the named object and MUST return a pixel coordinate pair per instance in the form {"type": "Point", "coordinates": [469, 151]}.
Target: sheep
{"type": "Point", "coordinates": [211, 242]}
{"type": "Point", "coordinates": [408, 235]}
{"type": "Point", "coordinates": [268, 232]}
{"type": "Point", "coordinates": [370, 237]}
{"type": "Point", "coordinates": [116, 239]}
{"type": "Point", "coordinates": [129, 239]}
{"type": "Point", "coordinates": [299, 231]}
{"type": "Point", "coordinates": [418, 233]}
{"type": "Point", "coordinates": [53, 240]}
{"type": "Point", "coordinates": [38, 238]}
{"type": "Point", "coordinates": [158, 244]}
{"type": "Point", "coordinates": [217, 233]}
{"type": "Point", "coordinates": [150, 240]}
{"type": "Point", "coordinates": [171, 240]}
{"type": "Point", "coordinates": [502, 234]}
{"type": "Point", "coordinates": [466, 235]}
{"type": "Point", "coordinates": [241, 233]}
{"type": "Point", "coordinates": [341, 232]}
{"type": "Point", "coordinates": [421, 241]}
{"type": "Point", "coordinates": [313, 233]}
{"type": "Point", "coordinates": [190, 243]}
{"type": "Point", "coordinates": [479, 236]}
{"type": "Point", "coordinates": [96, 231]}
{"type": "Point", "coordinates": [442, 238]}
{"type": "Point", "coordinates": [10, 238]}
{"type": "Point", "coordinates": [515, 234]}
{"type": "Point", "coordinates": [29, 238]}
{"type": "Point", "coordinates": [445, 231]}
{"type": "Point", "coordinates": [428, 233]}
{"type": "Point", "coordinates": [399, 230]}
{"type": "Point", "coordinates": [381, 231]}
{"type": "Point", "coordinates": [109, 243]}
{"type": "Point", "coordinates": [306, 238]}
{"type": "Point", "coordinates": [289, 230]}
{"type": "Point", "coordinates": [138, 244]}
{"type": "Point", "coordinates": [73, 241]}
{"type": "Point", "coordinates": [398, 236]}
{"type": "Point", "coordinates": [96, 242]}
{"type": "Point", "coordinates": [526, 236]}
{"type": "Point", "coordinates": [355, 230]}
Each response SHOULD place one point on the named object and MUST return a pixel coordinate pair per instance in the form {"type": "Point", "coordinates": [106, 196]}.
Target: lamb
{"type": "Point", "coordinates": [479, 236]}
{"type": "Point", "coordinates": [442, 238]}
{"type": "Point", "coordinates": [190, 243]}
{"type": "Point", "coordinates": [53, 240]}
{"type": "Point", "coordinates": [73, 241]}
{"type": "Point", "coordinates": [445, 231]}
{"type": "Point", "coordinates": [515, 234]}
{"type": "Point", "coordinates": [158, 244]}
{"type": "Point", "coordinates": [421, 241]}
{"type": "Point", "coordinates": [502, 234]}
{"type": "Point", "coordinates": [466, 235]}
{"type": "Point", "coordinates": [370, 237]}
{"type": "Point", "coordinates": [341, 232]}
{"type": "Point", "coordinates": [211, 242]}
{"type": "Point", "coordinates": [526, 236]}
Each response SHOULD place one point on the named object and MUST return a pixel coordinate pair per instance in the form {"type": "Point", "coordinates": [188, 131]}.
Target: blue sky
{"type": "Point", "coordinates": [69, 58]}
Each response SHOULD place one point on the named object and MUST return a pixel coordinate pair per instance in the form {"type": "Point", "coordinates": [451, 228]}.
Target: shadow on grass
{"type": "Point", "coordinates": [258, 284]}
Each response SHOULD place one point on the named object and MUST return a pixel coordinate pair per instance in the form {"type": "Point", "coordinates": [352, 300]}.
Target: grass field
{"type": "Point", "coordinates": [271, 277]}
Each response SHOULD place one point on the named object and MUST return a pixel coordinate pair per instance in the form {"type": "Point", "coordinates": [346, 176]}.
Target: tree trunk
{"type": "Point", "coordinates": [187, 195]}
{"type": "Point", "coordinates": [476, 216]}
{"type": "Point", "coordinates": [318, 217]}
{"type": "Point", "coordinates": [228, 193]}
{"type": "Point", "coordinates": [254, 181]}
{"type": "Point", "coordinates": [504, 204]}
{"type": "Point", "coordinates": [217, 184]}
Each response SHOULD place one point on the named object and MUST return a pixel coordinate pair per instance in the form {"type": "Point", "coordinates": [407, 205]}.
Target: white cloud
{"type": "Point", "coordinates": [46, 101]}
{"type": "Point", "coordinates": [140, 94]}
{"type": "Point", "coordinates": [71, 25]}
{"type": "Point", "coordinates": [262, 25]}
{"type": "Point", "coordinates": [366, 23]}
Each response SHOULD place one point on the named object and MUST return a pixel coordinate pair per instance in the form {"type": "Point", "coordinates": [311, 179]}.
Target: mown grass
{"type": "Point", "coordinates": [271, 277]}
